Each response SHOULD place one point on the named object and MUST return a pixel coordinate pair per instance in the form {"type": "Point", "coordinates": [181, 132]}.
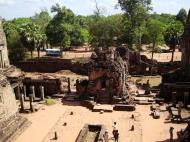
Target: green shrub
{"type": "Point", "coordinates": [50, 101]}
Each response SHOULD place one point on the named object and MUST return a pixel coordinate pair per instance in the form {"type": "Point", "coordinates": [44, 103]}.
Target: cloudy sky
{"type": "Point", "coordinates": [24, 8]}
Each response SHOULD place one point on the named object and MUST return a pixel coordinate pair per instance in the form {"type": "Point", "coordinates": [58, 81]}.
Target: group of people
{"type": "Point", "coordinates": [115, 133]}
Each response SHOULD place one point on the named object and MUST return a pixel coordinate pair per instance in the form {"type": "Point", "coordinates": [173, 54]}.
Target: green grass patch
{"type": "Point", "coordinates": [50, 101]}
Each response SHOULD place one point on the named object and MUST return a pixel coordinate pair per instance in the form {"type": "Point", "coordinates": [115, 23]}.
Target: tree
{"type": "Point", "coordinates": [136, 16]}
{"type": "Point", "coordinates": [20, 21]}
{"type": "Point", "coordinates": [106, 30]}
{"type": "Point", "coordinates": [155, 33]}
{"type": "Point", "coordinates": [79, 36]}
{"type": "Point", "coordinates": [164, 18]}
{"type": "Point", "coordinates": [182, 16]}
{"type": "Point", "coordinates": [42, 19]}
{"type": "Point", "coordinates": [40, 41]}
{"type": "Point", "coordinates": [16, 50]}
{"type": "Point", "coordinates": [60, 27]}
{"type": "Point", "coordinates": [30, 36]}
{"type": "Point", "coordinates": [172, 35]}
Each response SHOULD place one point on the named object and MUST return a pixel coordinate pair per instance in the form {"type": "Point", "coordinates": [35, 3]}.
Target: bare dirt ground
{"type": "Point", "coordinates": [82, 53]}
{"type": "Point", "coordinates": [51, 118]}
{"type": "Point", "coordinates": [164, 57]}
{"type": "Point", "coordinates": [153, 80]}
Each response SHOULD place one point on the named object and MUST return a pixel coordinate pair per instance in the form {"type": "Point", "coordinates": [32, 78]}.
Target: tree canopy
{"type": "Point", "coordinates": [134, 27]}
{"type": "Point", "coordinates": [135, 18]}
{"type": "Point", "coordinates": [182, 16]}
{"type": "Point", "coordinates": [173, 35]}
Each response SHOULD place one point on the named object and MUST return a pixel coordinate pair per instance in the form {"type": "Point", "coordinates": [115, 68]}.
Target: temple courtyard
{"type": "Point", "coordinates": [58, 118]}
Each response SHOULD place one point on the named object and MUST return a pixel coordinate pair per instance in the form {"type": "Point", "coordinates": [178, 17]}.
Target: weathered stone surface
{"type": "Point", "coordinates": [4, 61]}
{"type": "Point", "coordinates": [8, 105]}
{"type": "Point", "coordinates": [91, 133]}
{"type": "Point", "coordinates": [179, 80]}
{"type": "Point", "coordinates": [108, 71]}
{"type": "Point", "coordinates": [10, 77]}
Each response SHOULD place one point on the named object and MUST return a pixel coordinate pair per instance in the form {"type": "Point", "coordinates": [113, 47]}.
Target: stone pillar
{"type": "Point", "coordinates": [174, 97]}
{"type": "Point", "coordinates": [31, 100]}
{"type": "Point", "coordinates": [186, 98]}
{"type": "Point", "coordinates": [17, 92]}
{"type": "Point", "coordinates": [24, 89]}
{"type": "Point", "coordinates": [21, 98]}
{"type": "Point", "coordinates": [77, 83]}
{"type": "Point", "coordinates": [32, 91]}
{"type": "Point", "coordinates": [69, 85]}
{"type": "Point", "coordinates": [42, 92]}
{"type": "Point", "coordinates": [1, 60]}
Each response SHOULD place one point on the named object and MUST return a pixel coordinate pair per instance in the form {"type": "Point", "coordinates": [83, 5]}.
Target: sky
{"type": "Point", "coordinates": [10, 9]}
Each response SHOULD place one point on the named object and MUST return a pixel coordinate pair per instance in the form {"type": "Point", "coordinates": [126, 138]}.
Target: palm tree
{"type": "Point", "coordinates": [41, 40]}
{"type": "Point", "coordinates": [32, 37]}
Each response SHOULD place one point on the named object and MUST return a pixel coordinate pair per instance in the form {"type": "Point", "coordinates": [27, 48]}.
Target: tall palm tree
{"type": "Point", "coordinates": [31, 37]}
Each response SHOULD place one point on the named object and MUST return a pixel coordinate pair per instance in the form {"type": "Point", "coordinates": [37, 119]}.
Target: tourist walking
{"type": "Point", "coordinates": [106, 136]}
{"type": "Point", "coordinates": [114, 128]}
{"type": "Point", "coordinates": [116, 136]}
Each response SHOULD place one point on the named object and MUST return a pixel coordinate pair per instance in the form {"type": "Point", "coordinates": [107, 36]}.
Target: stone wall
{"type": "Point", "coordinates": [8, 105]}
{"type": "Point", "coordinates": [10, 121]}
{"type": "Point", "coordinates": [52, 65]}
{"type": "Point", "coordinates": [51, 86]}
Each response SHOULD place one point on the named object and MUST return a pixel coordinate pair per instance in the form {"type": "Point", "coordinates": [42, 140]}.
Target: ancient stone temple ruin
{"type": "Point", "coordinates": [176, 85]}
{"type": "Point", "coordinates": [108, 70]}
{"type": "Point", "coordinates": [10, 121]}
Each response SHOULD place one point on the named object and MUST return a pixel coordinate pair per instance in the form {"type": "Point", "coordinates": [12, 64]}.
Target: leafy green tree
{"type": "Point", "coordinates": [155, 33]}
{"type": "Point", "coordinates": [30, 36]}
{"type": "Point", "coordinates": [82, 21]}
{"type": "Point", "coordinates": [60, 27]}
{"type": "Point", "coordinates": [172, 35]}
{"type": "Point", "coordinates": [106, 30]}
{"type": "Point", "coordinates": [40, 41]}
{"type": "Point", "coordinates": [18, 22]}
{"type": "Point", "coordinates": [42, 19]}
{"type": "Point", "coordinates": [85, 35]}
{"type": "Point", "coordinates": [136, 16]}
{"type": "Point", "coordinates": [164, 18]}
{"type": "Point", "coordinates": [16, 50]}
{"type": "Point", "coordinates": [79, 36]}
{"type": "Point", "coordinates": [182, 16]}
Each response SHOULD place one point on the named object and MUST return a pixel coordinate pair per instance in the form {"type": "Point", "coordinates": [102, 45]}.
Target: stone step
{"type": "Point", "coordinates": [7, 133]}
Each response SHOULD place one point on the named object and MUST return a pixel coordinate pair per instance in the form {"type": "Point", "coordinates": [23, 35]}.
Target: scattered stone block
{"type": "Point", "coordinates": [123, 107]}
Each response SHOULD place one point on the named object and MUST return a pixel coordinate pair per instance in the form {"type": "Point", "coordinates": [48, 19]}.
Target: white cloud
{"type": "Point", "coordinates": [7, 2]}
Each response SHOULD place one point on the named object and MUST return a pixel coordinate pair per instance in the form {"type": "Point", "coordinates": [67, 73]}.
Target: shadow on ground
{"type": "Point", "coordinates": [168, 140]}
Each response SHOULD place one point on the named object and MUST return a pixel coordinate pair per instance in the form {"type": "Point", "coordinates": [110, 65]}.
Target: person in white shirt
{"type": "Point", "coordinates": [114, 128]}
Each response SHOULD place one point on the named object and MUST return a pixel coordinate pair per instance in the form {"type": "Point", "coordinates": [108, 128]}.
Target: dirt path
{"type": "Point", "coordinates": [50, 119]}
{"type": "Point", "coordinates": [42, 122]}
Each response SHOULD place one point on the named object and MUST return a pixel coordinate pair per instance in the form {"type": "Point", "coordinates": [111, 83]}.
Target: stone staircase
{"type": "Point", "coordinates": [9, 127]}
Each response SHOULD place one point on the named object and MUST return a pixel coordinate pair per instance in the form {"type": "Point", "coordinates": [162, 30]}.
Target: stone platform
{"type": "Point", "coordinates": [11, 127]}
{"type": "Point", "coordinates": [105, 108]}
{"type": "Point", "coordinates": [91, 133]}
